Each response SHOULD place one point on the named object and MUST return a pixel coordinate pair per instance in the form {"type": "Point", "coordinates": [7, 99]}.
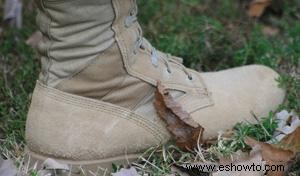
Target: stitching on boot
{"type": "Point", "coordinates": [60, 86]}
{"type": "Point", "coordinates": [103, 107]}
{"type": "Point", "coordinates": [82, 68]}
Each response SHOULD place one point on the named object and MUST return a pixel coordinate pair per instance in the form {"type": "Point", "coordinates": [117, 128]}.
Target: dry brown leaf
{"type": "Point", "coordinates": [243, 165]}
{"type": "Point", "coordinates": [292, 141]}
{"type": "Point", "coordinates": [185, 130]}
{"type": "Point", "coordinates": [257, 7]}
{"type": "Point", "coordinates": [272, 155]}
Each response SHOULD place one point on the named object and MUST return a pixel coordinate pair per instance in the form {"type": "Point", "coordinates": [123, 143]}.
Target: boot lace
{"type": "Point", "coordinates": [142, 43]}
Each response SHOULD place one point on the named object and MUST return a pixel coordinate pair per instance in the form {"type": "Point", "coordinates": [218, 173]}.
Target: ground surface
{"type": "Point", "coordinates": [209, 34]}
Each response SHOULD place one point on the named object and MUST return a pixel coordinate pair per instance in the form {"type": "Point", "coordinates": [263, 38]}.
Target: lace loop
{"type": "Point", "coordinates": [129, 20]}
{"type": "Point", "coordinates": [154, 57]}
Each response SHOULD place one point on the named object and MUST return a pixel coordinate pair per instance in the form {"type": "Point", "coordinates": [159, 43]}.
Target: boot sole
{"type": "Point", "coordinates": [82, 168]}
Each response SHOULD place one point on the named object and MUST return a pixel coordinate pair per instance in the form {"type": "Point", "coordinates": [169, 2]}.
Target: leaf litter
{"type": "Point", "coordinates": [257, 7]}
{"type": "Point", "coordinates": [272, 155]}
{"type": "Point", "coordinates": [185, 130]}
{"type": "Point", "coordinates": [243, 165]}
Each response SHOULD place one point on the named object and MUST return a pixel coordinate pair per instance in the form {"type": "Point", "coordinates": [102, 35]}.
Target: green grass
{"type": "Point", "coordinates": [19, 67]}
{"type": "Point", "coordinates": [209, 35]}
{"type": "Point", "coordinates": [262, 131]}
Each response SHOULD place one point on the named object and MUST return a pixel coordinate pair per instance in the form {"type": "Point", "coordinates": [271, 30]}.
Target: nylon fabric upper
{"type": "Point", "coordinates": [74, 33]}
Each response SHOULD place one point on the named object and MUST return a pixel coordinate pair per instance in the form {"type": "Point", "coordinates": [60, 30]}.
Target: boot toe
{"type": "Point", "coordinates": [236, 94]}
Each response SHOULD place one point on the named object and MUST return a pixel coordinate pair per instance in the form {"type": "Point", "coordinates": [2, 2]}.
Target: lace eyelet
{"type": "Point", "coordinates": [142, 48]}
{"type": "Point", "coordinates": [190, 77]}
{"type": "Point", "coordinates": [131, 13]}
{"type": "Point", "coordinates": [169, 71]}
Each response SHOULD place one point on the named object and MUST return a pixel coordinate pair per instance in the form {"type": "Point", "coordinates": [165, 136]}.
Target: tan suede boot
{"type": "Point", "coordinates": [93, 103]}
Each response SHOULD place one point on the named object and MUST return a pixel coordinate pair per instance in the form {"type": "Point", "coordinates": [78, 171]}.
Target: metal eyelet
{"type": "Point", "coordinates": [169, 71]}
{"type": "Point", "coordinates": [131, 13]}
{"type": "Point", "coordinates": [142, 47]}
{"type": "Point", "coordinates": [128, 19]}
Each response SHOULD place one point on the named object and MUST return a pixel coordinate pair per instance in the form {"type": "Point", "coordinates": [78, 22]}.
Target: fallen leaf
{"type": "Point", "coordinates": [238, 165]}
{"type": "Point", "coordinates": [292, 141]}
{"type": "Point", "coordinates": [242, 166]}
{"type": "Point", "coordinates": [126, 172]}
{"type": "Point", "coordinates": [34, 39]}
{"type": "Point", "coordinates": [293, 165]}
{"type": "Point", "coordinates": [7, 167]}
{"type": "Point", "coordinates": [257, 7]}
{"type": "Point", "coordinates": [185, 130]}
{"type": "Point", "coordinates": [272, 155]}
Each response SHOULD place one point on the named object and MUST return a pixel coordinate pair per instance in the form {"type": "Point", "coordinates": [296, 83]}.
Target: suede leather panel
{"type": "Point", "coordinates": [237, 92]}
{"type": "Point", "coordinates": [85, 129]}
